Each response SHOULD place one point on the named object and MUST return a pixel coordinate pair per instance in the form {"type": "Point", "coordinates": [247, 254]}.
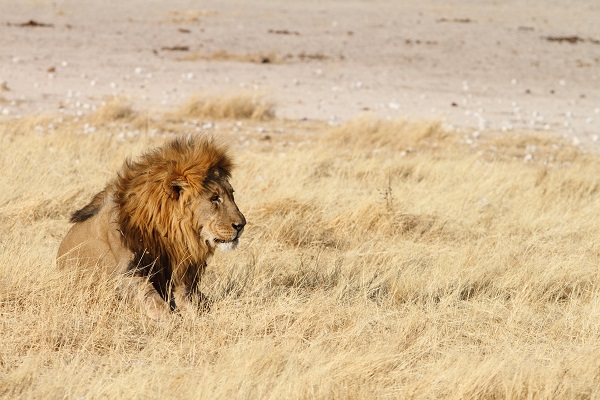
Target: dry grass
{"type": "Point", "coordinates": [236, 106]}
{"type": "Point", "coordinates": [381, 259]}
{"type": "Point", "coordinates": [265, 57]}
{"type": "Point", "coordinates": [223, 55]}
{"type": "Point", "coordinates": [115, 109]}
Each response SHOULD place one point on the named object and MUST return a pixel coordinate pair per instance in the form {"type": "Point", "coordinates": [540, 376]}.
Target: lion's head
{"type": "Point", "coordinates": [219, 222]}
{"type": "Point", "coordinates": [176, 201]}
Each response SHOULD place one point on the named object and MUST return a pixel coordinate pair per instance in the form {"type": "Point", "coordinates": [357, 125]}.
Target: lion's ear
{"type": "Point", "coordinates": [177, 186]}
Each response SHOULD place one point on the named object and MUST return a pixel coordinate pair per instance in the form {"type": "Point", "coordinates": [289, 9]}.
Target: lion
{"type": "Point", "coordinates": [158, 223]}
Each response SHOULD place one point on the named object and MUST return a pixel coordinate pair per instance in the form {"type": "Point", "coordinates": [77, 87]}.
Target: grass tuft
{"type": "Point", "coordinates": [244, 106]}
{"type": "Point", "coordinates": [115, 109]}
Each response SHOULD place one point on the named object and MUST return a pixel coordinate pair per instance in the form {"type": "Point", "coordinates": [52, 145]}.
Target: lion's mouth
{"type": "Point", "coordinates": [225, 241]}
{"type": "Point", "coordinates": [225, 245]}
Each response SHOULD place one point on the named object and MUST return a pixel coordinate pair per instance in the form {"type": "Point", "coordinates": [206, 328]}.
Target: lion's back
{"type": "Point", "coordinates": [91, 209]}
{"type": "Point", "coordinates": [87, 242]}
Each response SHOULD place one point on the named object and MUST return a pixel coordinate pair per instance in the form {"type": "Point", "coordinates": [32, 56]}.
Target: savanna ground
{"type": "Point", "coordinates": [382, 259]}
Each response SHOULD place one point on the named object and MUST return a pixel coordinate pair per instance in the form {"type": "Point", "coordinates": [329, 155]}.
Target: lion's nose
{"type": "Point", "coordinates": [239, 227]}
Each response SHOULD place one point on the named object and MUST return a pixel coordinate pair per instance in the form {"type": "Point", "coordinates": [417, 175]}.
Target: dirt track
{"type": "Point", "coordinates": [489, 67]}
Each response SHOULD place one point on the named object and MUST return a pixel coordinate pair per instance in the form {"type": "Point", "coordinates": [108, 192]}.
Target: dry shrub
{"type": "Point", "coordinates": [116, 109]}
{"type": "Point", "coordinates": [256, 58]}
{"type": "Point", "coordinates": [244, 106]}
{"type": "Point", "coordinates": [223, 55]}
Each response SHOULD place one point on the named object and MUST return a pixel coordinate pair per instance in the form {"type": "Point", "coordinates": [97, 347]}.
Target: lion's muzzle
{"type": "Point", "coordinates": [231, 244]}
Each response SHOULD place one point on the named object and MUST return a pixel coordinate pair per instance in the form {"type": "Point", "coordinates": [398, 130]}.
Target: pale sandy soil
{"type": "Point", "coordinates": [484, 65]}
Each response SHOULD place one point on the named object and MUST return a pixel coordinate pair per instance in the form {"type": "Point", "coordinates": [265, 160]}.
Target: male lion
{"type": "Point", "coordinates": [158, 222]}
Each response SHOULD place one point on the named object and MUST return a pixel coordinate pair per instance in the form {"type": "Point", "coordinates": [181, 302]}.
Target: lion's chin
{"type": "Point", "coordinates": [225, 245]}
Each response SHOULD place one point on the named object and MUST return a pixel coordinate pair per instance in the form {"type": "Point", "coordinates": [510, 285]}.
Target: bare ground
{"type": "Point", "coordinates": [497, 67]}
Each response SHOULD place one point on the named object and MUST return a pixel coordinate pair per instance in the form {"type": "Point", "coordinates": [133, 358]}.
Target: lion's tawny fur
{"type": "Point", "coordinates": [161, 218]}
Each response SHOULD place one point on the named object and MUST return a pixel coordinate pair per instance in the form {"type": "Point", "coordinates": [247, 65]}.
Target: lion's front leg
{"type": "Point", "coordinates": [142, 293]}
{"type": "Point", "coordinates": [136, 289]}
{"type": "Point", "coordinates": [188, 297]}
{"type": "Point", "coordinates": [191, 301]}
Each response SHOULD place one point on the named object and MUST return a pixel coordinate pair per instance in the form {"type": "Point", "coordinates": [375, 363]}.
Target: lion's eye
{"type": "Point", "coordinates": [216, 198]}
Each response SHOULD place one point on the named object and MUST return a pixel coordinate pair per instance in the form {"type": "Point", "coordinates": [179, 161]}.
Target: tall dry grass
{"type": "Point", "coordinates": [382, 259]}
{"type": "Point", "coordinates": [115, 109]}
{"type": "Point", "coordinates": [233, 106]}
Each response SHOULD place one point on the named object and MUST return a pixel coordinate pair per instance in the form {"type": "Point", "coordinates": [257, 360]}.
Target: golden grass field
{"type": "Point", "coordinates": [382, 259]}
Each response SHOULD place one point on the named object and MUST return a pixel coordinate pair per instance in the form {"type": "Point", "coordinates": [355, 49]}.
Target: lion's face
{"type": "Point", "coordinates": [219, 221]}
